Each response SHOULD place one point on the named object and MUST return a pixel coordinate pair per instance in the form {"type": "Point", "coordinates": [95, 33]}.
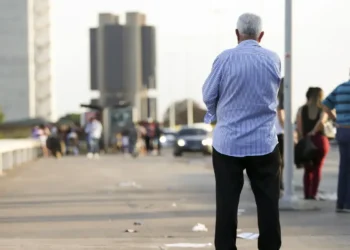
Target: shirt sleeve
{"type": "Point", "coordinates": [210, 91]}
{"type": "Point", "coordinates": [330, 100]}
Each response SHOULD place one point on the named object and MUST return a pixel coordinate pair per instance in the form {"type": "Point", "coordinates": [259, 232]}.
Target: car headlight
{"type": "Point", "coordinates": [181, 142]}
{"type": "Point", "coordinates": [207, 142]}
{"type": "Point", "coordinates": [162, 139]}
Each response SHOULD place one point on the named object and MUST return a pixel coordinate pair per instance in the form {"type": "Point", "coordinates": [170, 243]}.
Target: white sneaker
{"type": "Point", "coordinates": [89, 155]}
{"type": "Point", "coordinates": [96, 156]}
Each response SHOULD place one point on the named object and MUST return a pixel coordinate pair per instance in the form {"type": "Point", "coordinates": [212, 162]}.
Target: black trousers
{"type": "Point", "coordinates": [281, 148]}
{"type": "Point", "coordinates": [264, 174]}
{"type": "Point", "coordinates": [148, 144]}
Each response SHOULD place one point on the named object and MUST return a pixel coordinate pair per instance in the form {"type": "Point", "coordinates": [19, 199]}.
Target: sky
{"type": "Point", "coordinates": [191, 33]}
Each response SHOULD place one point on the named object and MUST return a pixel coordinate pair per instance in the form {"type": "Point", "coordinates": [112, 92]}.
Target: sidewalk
{"type": "Point", "coordinates": [76, 203]}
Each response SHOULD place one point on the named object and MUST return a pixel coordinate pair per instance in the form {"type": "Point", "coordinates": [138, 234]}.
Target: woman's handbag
{"type": "Point", "coordinates": [329, 130]}
{"type": "Point", "coordinates": [305, 151]}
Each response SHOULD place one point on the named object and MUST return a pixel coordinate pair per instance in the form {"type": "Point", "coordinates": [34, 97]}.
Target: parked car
{"type": "Point", "coordinates": [168, 137]}
{"type": "Point", "coordinates": [193, 139]}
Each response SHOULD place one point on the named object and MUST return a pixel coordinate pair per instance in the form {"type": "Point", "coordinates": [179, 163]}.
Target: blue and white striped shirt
{"type": "Point", "coordinates": [241, 95]}
{"type": "Point", "coordinates": [339, 100]}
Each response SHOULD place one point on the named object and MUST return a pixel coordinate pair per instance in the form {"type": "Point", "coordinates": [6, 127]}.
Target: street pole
{"type": "Point", "coordinates": [106, 127]}
{"type": "Point", "coordinates": [289, 201]}
{"type": "Point", "coordinates": [189, 102]}
{"type": "Point", "coordinates": [189, 112]}
{"type": "Point", "coordinates": [172, 116]}
{"type": "Point", "coordinates": [288, 127]}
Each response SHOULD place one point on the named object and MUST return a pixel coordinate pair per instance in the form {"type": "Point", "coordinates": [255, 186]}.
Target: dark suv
{"type": "Point", "coordinates": [191, 139]}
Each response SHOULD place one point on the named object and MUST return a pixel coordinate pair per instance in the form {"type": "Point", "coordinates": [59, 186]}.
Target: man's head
{"type": "Point", "coordinates": [249, 27]}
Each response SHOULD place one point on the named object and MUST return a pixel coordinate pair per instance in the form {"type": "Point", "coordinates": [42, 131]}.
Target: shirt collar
{"type": "Point", "coordinates": [248, 43]}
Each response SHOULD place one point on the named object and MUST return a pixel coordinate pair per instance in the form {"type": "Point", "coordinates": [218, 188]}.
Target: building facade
{"type": "Point", "coordinates": [25, 61]}
{"type": "Point", "coordinates": [123, 64]}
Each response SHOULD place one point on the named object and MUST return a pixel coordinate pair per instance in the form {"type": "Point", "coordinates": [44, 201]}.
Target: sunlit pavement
{"type": "Point", "coordinates": [76, 203]}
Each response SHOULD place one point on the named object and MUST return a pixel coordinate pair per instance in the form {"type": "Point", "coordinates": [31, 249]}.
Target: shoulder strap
{"type": "Point", "coordinates": [304, 112]}
{"type": "Point", "coordinates": [304, 117]}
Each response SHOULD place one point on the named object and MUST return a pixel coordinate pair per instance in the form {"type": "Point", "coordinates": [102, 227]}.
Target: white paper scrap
{"type": "Point", "coordinates": [200, 228]}
{"type": "Point", "coordinates": [189, 245]}
{"type": "Point", "coordinates": [248, 236]}
{"type": "Point", "coordinates": [129, 184]}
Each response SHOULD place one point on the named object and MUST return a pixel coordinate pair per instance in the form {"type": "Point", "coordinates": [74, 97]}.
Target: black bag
{"type": "Point", "coordinates": [305, 151]}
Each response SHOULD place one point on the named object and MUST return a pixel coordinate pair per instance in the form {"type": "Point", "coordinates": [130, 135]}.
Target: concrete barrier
{"type": "Point", "coordinates": [15, 152]}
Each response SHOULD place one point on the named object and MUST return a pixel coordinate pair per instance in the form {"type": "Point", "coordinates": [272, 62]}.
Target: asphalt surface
{"type": "Point", "coordinates": [76, 203]}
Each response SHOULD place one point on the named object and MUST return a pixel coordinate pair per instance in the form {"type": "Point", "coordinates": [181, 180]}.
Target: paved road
{"type": "Point", "coordinates": [76, 203]}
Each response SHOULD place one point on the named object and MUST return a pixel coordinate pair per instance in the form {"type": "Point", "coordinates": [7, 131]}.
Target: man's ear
{"type": "Point", "coordinates": [261, 36]}
{"type": "Point", "coordinates": [237, 34]}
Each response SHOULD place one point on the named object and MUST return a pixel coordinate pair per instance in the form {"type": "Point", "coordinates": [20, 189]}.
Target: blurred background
{"type": "Point", "coordinates": [64, 60]}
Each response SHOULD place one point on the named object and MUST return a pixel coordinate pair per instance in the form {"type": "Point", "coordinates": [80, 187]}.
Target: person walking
{"type": "Point", "coordinates": [126, 141]}
{"type": "Point", "coordinates": [44, 133]}
{"type": "Point", "coordinates": [241, 96]}
{"type": "Point", "coordinates": [94, 132]}
{"type": "Point", "coordinates": [53, 143]}
{"type": "Point", "coordinates": [158, 133]}
{"type": "Point", "coordinates": [339, 100]}
{"type": "Point", "coordinates": [309, 123]}
{"type": "Point", "coordinates": [133, 137]}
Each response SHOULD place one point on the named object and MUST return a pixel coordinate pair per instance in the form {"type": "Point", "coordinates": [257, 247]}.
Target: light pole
{"type": "Point", "coordinates": [289, 128]}
{"type": "Point", "coordinates": [289, 200]}
{"type": "Point", "coordinates": [189, 102]}
{"type": "Point", "coordinates": [188, 83]}
{"type": "Point", "coordinates": [172, 115]}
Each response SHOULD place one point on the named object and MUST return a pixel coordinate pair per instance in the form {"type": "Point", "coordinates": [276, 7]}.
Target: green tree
{"type": "Point", "coordinates": [70, 118]}
{"type": "Point", "coordinates": [2, 116]}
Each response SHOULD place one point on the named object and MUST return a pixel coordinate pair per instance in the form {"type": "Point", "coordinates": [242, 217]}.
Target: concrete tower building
{"type": "Point", "coordinates": [25, 61]}
{"type": "Point", "coordinates": [123, 63]}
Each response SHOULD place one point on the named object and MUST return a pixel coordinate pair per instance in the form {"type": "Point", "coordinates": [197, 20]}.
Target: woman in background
{"type": "Point", "coordinates": [44, 133]}
{"type": "Point", "coordinates": [53, 143]}
{"type": "Point", "coordinates": [309, 123]}
{"type": "Point", "coordinates": [36, 133]}
{"type": "Point", "coordinates": [125, 141]}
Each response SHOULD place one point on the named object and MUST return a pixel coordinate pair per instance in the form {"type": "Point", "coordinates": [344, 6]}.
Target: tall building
{"type": "Point", "coordinates": [123, 65]}
{"type": "Point", "coordinates": [25, 62]}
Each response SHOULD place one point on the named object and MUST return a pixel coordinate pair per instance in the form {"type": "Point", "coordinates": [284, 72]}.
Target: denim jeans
{"type": "Point", "coordinates": [343, 138]}
{"type": "Point", "coordinates": [94, 145]}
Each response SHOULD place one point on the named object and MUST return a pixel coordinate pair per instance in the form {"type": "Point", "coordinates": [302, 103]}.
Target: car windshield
{"type": "Point", "coordinates": [169, 133]}
{"type": "Point", "coordinates": [192, 131]}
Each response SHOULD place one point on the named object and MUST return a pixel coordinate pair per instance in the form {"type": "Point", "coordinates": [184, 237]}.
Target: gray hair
{"type": "Point", "coordinates": [250, 25]}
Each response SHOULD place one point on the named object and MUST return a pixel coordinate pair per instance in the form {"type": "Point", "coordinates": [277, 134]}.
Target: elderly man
{"type": "Point", "coordinates": [241, 96]}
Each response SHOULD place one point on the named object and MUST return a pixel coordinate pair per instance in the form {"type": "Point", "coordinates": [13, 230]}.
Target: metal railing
{"type": "Point", "coordinates": [17, 152]}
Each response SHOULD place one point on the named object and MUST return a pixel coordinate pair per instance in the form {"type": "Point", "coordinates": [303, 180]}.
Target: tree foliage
{"type": "Point", "coordinates": [72, 118]}
{"type": "Point", "coordinates": [2, 116]}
